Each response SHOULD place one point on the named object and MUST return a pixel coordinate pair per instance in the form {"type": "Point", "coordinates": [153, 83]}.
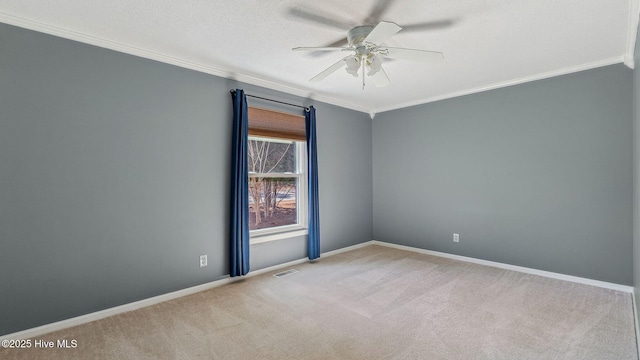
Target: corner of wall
{"type": "Point", "coordinates": [632, 33]}
{"type": "Point", "coordinates": [632, 57]}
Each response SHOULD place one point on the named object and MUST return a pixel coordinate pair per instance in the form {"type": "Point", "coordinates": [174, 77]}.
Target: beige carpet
{"type": "Point", "coordinates": [370, 303]}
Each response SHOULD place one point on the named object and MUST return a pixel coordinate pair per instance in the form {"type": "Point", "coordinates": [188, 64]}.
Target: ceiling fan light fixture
{"type": "Point", "coordinates": [374, 62]}
{"type": "Point", "coordinates": [366, 53]}
{"type": "Point", "coordinates": [353, 65]}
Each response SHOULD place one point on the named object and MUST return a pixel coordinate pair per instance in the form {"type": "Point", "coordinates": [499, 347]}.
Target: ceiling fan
{"type": "Point", "coordinates": [366, 52]}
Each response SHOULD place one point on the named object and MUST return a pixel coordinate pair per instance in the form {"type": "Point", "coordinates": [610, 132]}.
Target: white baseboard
{"type": "Point", "coordinates": [98, 315]}
{"type": "Point", "coordinates": [83, 319]}
{"type": "Point", "coordinates": [635, 322]}
{"type": "Point", "coordinates": [348, 248]}
{"type": "Point", "coordinates": [304, 260]}
{"type": "Point", "coordinates": [522, 269]}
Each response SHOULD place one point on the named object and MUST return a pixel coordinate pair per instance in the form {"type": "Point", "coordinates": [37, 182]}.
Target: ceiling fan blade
{"type": "Point", "coordinates": [378, 10]}
{"type": "Point", "coordinates": [340, 43]}
{"type": "Point", "coordinates": [328, 71]}
{"type": "Point", "coordinates": [413, 54]}
{"type": "Point", "coordinates": [320, 18]}
{"type": "Point", "coordinates": [382, 32]}
{"type": "Point", "coordinates": [302, 48]}
{"type": "Point", "coordinates": [381, 79]}
{"type": "Point", "coordinates": [336, 44]}
{"type": "Point", "coordinates": [429, 25]}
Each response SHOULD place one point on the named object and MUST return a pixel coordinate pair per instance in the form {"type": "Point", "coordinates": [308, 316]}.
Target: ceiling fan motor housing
{"type": "Point", "coordinates": [357, 35]}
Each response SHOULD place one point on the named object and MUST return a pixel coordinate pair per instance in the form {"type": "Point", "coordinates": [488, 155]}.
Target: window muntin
{"type": "Point", "coordinates": [277, 186]}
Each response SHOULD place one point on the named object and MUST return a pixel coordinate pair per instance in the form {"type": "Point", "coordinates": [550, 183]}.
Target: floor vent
{"type": "Point", "coordinates": [285, 273]}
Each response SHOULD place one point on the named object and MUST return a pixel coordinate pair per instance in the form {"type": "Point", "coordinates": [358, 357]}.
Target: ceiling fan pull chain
{"type": "Point", "coordinates": [363, 70]}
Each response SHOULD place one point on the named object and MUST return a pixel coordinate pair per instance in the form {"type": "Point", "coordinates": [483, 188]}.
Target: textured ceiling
{"type": "Point", "coordinates": [486, 43]}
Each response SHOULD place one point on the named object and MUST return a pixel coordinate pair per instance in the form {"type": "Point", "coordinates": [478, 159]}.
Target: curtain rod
{"type": "Point", "coordinates": [276, 101]}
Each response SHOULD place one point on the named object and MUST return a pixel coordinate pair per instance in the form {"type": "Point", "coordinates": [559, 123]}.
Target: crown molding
{"type": "Point", "coordinates": [628, 61]}
{"type": "Point", "coordinates": [632, 31]}
{"type": "Point", "coordinates": [550, 74]}
{"type": "Point", "coordinates": [148, 54]}
{"type": "Point", "coordinates": [29, 24]}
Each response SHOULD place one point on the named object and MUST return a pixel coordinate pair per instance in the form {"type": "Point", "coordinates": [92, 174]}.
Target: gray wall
{"type": "Point", "coordinates": [536, 175]}
{"type": "Point", "coordinates": [115, 179]}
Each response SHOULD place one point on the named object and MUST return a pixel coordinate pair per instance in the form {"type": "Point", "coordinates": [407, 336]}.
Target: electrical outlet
{"type": "Point", "coordinates": [203, 260]}
{"type": "Point", "coordinates": [456, 237]}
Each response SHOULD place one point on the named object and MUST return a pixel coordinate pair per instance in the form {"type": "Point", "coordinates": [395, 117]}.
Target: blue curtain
{"type": "Point", "coordinates": [239, 232]}
{"type": "Point", "coordinates": [312, 172]}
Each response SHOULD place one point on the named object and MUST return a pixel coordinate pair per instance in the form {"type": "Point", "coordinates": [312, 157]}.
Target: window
{"type": "Point", "coordinates": [277, 175]}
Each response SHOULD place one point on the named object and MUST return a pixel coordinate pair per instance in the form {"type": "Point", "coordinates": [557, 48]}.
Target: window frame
{"type": "Point", "coordinates": [301, 227]}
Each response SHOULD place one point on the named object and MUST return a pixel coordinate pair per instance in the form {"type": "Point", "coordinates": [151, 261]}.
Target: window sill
{"type": "Point", "coordinates": [261, 238]}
